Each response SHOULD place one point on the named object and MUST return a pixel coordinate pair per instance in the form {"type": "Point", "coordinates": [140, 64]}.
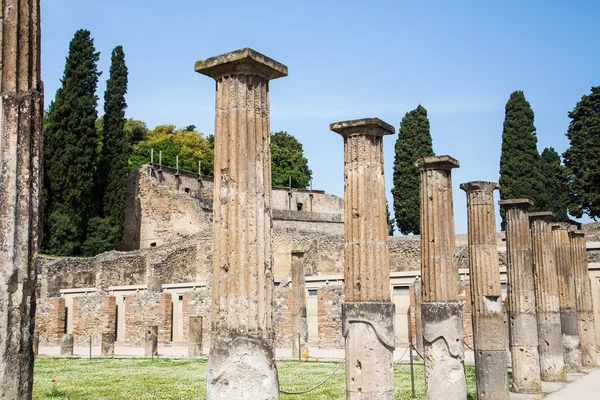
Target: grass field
{"type": "Point", "coordinates": [163, 379]}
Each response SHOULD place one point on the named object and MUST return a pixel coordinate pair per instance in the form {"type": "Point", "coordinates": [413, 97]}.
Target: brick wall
{"type": "Point", "coordinates": [147, 309]}
{"type": "Point", "coordinates": [50, 320]}
{"type": "Point", "coordinates": [282, 317]}
{"type": "Point", "coordinates": [330, 299]}
{"type": "Point", "coordinates": [197, 304]}
{"type": "Point", "coordinates": [93, 315]}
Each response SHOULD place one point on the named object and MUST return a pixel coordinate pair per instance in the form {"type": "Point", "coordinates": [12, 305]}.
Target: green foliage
{"type": "Point", "coordinates": [287, 160]}
{"type": "Point", "coordinates": [135, 130]}
{"type": "Point", "coordinates": [582, 159]}
{"type": "Point", "coordinates": [555, 184]}
{"type": "Point", "coordinates": [520, 175]}
{"type": "Point", "coordinates": [390, 220]}
{"type": "Point", "coordinates": [414, 142]}
{"type": "Point", "coordinates": [103, 234]}
{"type": "Point", "coordinates": [70, 150]}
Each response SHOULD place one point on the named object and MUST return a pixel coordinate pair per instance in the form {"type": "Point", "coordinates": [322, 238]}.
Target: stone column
{"type": "Point", "coordinates": [195, 337]}
{"type": "Point", "coordinates": [66, 345]}
{"type": "Point", "coordinates": [552, 363]}
{"type": "Point", "coordinates": [583, 299]}
{"type": "Point", "coordinates": [107, 347]}
{"type": "Point", "coordinates": [441, 312]}
{"type": "Point", "coordinates": [36, 343]}
{"type": "Point", "coordinates": [367, 311]}
{"type": "Point", "coordinates": [566, 288]}
{"type": "Point", "coordinates": [21, 116]}
{"type": "Point", "coordinates": [521, 298]}
{"type": "Point", "coordinates": [489, 332]}
{"type": "Point", "coordinates": [151, 341]}
{"type": "Point", "coordinates": [418, 318]}
{"type": "Point", "coordinates": [299, 322]}
{"type": "Point", "coordinates": [242, 360]}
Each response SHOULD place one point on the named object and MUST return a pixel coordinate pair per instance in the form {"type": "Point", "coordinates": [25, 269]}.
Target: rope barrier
{"type": "Point", "coordinates": [319, 385]}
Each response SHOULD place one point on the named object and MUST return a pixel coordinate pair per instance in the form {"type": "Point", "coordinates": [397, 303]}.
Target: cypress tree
{"type": "Point", "coordinates": [520, 175]}
{"type": "Point", "coordinates": [70, 141]}
{"type": "Point", "coordinates": [414, 142]}
{"type": "Point", "coordinates": [555, 184]}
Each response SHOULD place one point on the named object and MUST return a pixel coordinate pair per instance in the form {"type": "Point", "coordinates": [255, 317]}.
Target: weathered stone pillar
{"type": "Point", "coordinates": [521, 298]}
{"type": "Point", "coordinates": [36, 343]}
{"type": "Point", "coordinates": [195, 337]}
{"type": "Point", "coordinates": [418, 318]}
{"type": "Point", "coordinates": [66, 345]}
{"type": "Point", "coordinates": [583, 297]}
{"type": "Point", "coordinates": [552, 363]}
{"type": "Point", "coordinates": [367, 312]}
{"type": "Point", "coordinates": [443, 332]}
{"type": "Point", "coordinates": [242, 361]}
{"type": "Point", "coordinates": [107, 347]}
{"type": "Point", "coordinates": [489, 332]}
{"type": "Point", "coordinates": [566, 288]}
{"type": "Point", "coordinates": [21, 116]}
{"type": "Point", "coordinates": [299, 322]}
{"type": "Point", "coordinates": [151, 341]}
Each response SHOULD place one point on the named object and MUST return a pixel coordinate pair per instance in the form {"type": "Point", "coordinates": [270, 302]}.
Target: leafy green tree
{"type": "Point", "coordinates": [414, 142]}
{"type": "Point", "coordinates": [520, 175]}
{"type": "Point", "coordinates": [555, 184]}
{"type": "Point", "coordinates": [390, 220]}
{"type": "Point", "coordinates": [582, 159]}
{"type": "Point", "coordinates": [287, 160]}
{"type": "Point", "coordinates": [70, 150]}
{"type": "Point", "coordinates": [135, 130]}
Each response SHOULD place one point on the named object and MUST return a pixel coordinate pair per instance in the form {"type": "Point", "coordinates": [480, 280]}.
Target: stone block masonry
{"type": "Point", "coordinates": [94, 316]}
{"type": "Point", "coordinates": [329, 302]}
{"type": "Point", "coordinates": [50, 321]}
{"type": "Point", "coordinates": [144, 310]}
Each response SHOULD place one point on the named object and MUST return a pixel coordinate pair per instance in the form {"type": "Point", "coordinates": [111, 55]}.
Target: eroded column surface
{"type": "Point", "coordinates": [66, 345]}
{"type": "Point", "coordinates": [583, 299]}
{"type": "Point", "coordinates": [367, 312]}
{"type": "Point", "coordinates": [566, 288]}
{"type": "Point", "coordinates": [299, 321]}
{"type": "Point", "coordinates": [107, 347]}
{"type": "Point", "coordinates": [21, 112]}
{"type": "Point", "coordinates": [241, 359]}
{"type": "Point", "coordinates": [489, 332]}
{"type": "Point", "coordinates": [441, 312]}
{"type": "Point", "coordinates": [552, 364]}
{"type": "Point", "coordinates": [195, 337]}
{"type": "Point", "coordinates": [523, 336]}
{"type": "Point", "coordinates": [418, 317]}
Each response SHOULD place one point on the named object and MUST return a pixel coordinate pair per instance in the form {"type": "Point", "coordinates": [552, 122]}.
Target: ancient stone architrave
{"type": "Point", "coordinates": [21, 116]}
{"type": "Point", "coordinates": [418, 318]}
{"type": "Point", "coordinates": [489, 332]}
{"type": "Point", "coordinates": [151, 341]}
{"type": "Point", "coordinates": [441, 313]}
{"type": "Point", "coordinates": [66, 345]}
{"type": "Point", "coordinates": [195, 337]}
{"type": "Point", "coordinates": [242, 360]}
{"type": "Point", "coordinates": [299, 321]}
{"type": "Point", "coordinates": [521, 298]}
{"type": "Point", "coordinates": [367, 312]}
{"type": "Point", "coordinates": [107, 347]}
{"type": "Point", "coordinates": [552, 364]}
{"type": "Point", "coordinates": [583, 297]}
{"type": "Point", "coordinates": [566, 288]}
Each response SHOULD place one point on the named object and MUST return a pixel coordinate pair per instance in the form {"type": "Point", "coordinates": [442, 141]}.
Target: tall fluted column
{"type": "Point", "coordinates": [367, 312]}
{"type": "Point", "coordinates": [241, 359]}
{"type": "Point", "coordinates": [566, 288]}
{"type": "Point", "coordinates": [21, 116]}
{"type": "Point", "coordinates": [583, 299]}
{"type": "Point", "coordinates": [489, 332]}
{"type": "Point", "coordinates": [521, 298]}
{"type": "Point", "coordinates": [299, 321]}
{"type": "Point", "coordinates": [441, 312]}
{"type": "Point", "coordinates": [552, 363]}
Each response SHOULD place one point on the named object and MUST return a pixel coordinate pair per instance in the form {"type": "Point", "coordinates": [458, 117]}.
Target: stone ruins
{"type": "Point", "coordinates": [252, 268]}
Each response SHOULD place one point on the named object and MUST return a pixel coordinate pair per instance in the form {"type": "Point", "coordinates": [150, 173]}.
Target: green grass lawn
{"type": "Point", "coordinates": [163, 379]}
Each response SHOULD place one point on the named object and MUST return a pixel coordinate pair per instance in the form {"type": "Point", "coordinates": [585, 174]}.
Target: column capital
{"type": "Point", "coordinates": [244, 61]}
{"type": "Point", "coordinates": [483, 186]}
{"type": "Point", "coordinates": [557, 226]}
{"type": "Point", "coordinates": [437, 162]}
{"type": "Point", "coordinates": [541, 216]}
{"type": "Point", "coordinates": [364, 126]}
{"type": "Point", "coordinates": [576, 234]}
{"type": "Point", "coordinates": [516, 203]}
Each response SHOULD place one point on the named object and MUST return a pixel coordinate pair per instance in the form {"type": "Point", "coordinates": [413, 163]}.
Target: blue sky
{"type": "Point", "coordinates": [351, 59]}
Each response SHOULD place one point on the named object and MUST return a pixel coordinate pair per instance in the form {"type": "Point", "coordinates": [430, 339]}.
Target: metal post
{"type": "Point", "coordinates": [199, 168]}
{"type": "Point", "coordinates": [299, 348]}
{"type": "Point", "coordinates": [151, 156]}
{"type": "Point", "coordinates": [90, 346]}
{"type": "Point", "coordinates": [160, 158]}
{"type": "Point", "coordinates": [177, 162]}
{"type": "Point", "coordinates": [410, 354]}
{"type": "Point", "coordinates": [290, 182]}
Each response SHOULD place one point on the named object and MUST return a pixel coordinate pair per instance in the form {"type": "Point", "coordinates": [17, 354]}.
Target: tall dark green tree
{"type": "Point", "coordinates": [113, 168]}
{"type": "Point", "coordinates": [414, 142]}
{"type": "Point", "coordinates": [582, 159]}
{"type": "Point", "coordinates": [70, 146]}
{"type": "Point", "coordinates": [520, 175]}
{"type": "Point", "coordinates": [287, 160]}
{"type": "Point", "coordinates": [555, 184]}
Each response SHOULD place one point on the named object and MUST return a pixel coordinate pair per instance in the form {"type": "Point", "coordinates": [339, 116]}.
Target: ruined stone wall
{"type": "Point", "coordinates": [50, 320]}
{"type": "Point", "coordinates": [93, 316]}
{"type": "Point", "coordinates": [330, 299]}
{"type": "Point", "coordinates": [282, 318]}
{"type": "Point", "coordinates": [197, 304]}
{"type": "Point", "coordinates": [144, 310]}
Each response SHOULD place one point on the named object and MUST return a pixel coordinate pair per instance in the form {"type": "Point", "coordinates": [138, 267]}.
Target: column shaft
{"type": "Point", "coordinates": [521, 298]}
{"type": "Point", "coordinates": [21, 118]}
{"type": "Point", "coordinates": [443, 332]}
{"type": "Point", "coordinates": [489, 333]}
{"type": "Point", "coordinates": [241, 359]}
{"type": "Point", "coordinates": [418, 316]}
{"type": "Point", "coordinates": [552, 364]}
{"type": "Point", "coordinates": [299, 321]}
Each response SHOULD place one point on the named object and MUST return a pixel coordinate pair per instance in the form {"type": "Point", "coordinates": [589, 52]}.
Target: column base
{"type": "Point", "coordinates": [525, 355]}
{"type": "Point", "coordinates": [241, 368]}
{"type": "Point", "coordinates": [66, 345]}
{"type": "Point", "coordinates": [108, 345]}
{"type": "Point", "coordinates": [552, 361]}
{"type": "Point", "coordinates": [443, 340]}
{"type": "Point", "coordinates": [369, 331]}
{"type": "Point", "coordinates": [491, 361]}
{"type": "Point", "coordinates": [587, 338]}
